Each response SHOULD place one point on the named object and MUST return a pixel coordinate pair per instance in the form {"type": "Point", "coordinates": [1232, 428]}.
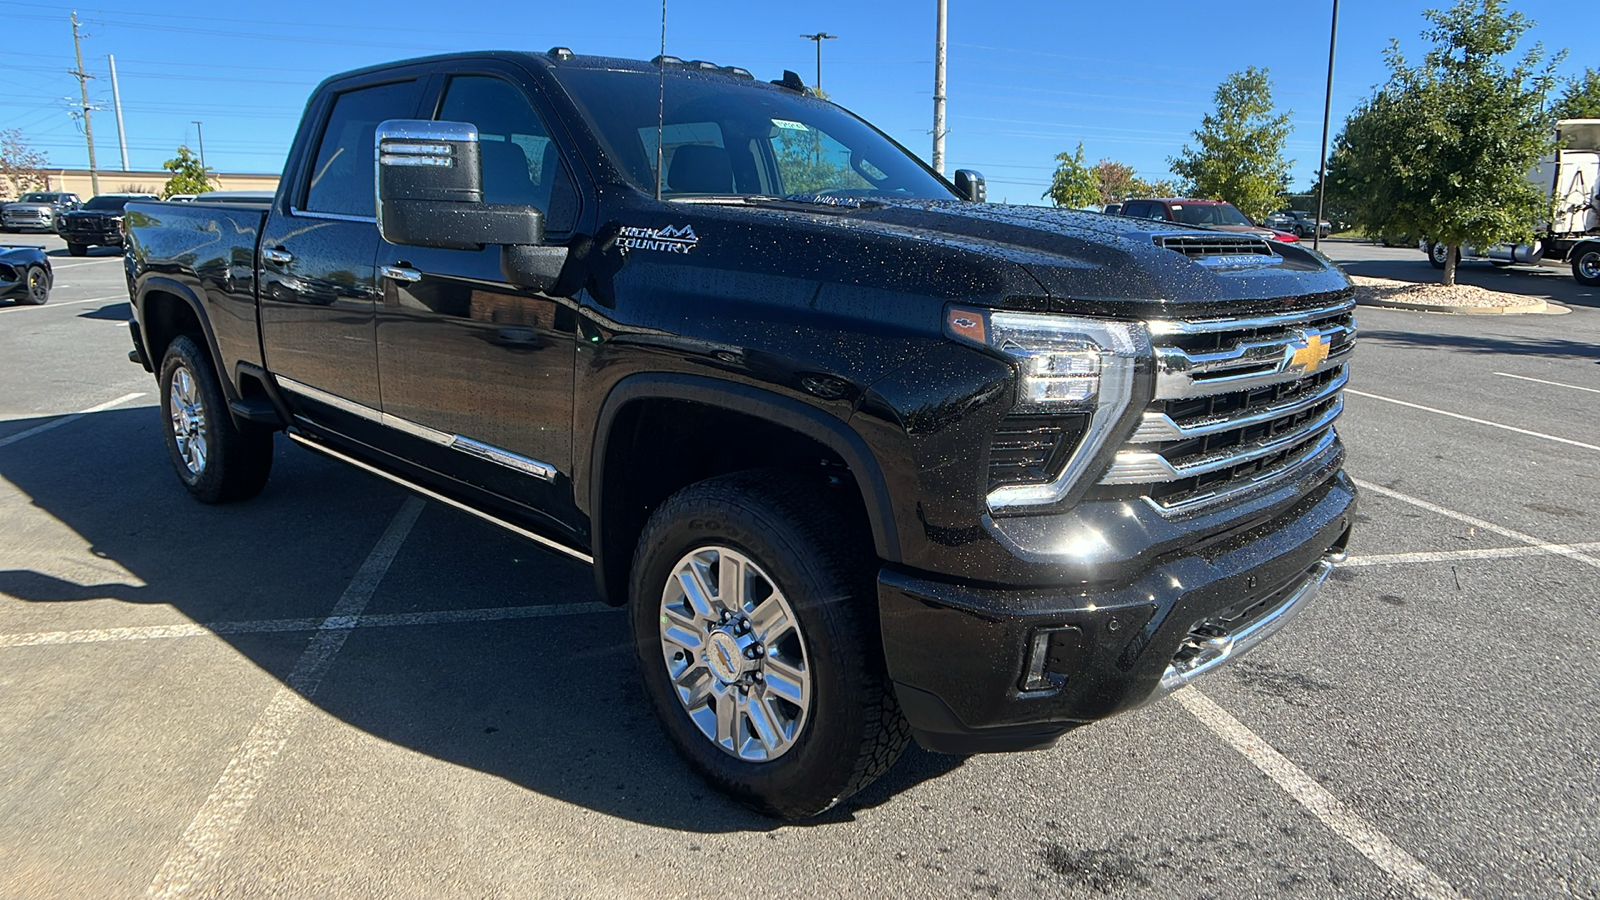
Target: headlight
{"type": "Point", "coordinates": [1065, 365]}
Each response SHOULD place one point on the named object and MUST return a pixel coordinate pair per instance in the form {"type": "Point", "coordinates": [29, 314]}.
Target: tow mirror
{"type": "Point", "coordinates": [969, 184]}
{"type": "Point", "coordinates": [430, 194]}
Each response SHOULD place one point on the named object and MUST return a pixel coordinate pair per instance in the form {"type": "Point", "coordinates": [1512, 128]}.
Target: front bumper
{"type": "Point", "coordinates": [993, 669]}
{"type": "Point", "coordinates": [98, 237]}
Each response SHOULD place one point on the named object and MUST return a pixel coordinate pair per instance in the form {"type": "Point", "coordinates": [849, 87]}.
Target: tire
{"type": "Point", "coordinates": [1586, 266]}
{"type": "Point", "coordinates": [77, 249]}
{"type": "Point", "coordinates": [38, 283]}
{"type": "Point", "coordinates": [820, 642]}
{"type": "Point", "coordinates": [1437, 254]}
{"type": "Point", "coordinates": [216, 461]}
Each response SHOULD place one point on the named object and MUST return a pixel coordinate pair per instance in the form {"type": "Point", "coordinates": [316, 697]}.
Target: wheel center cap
{"type": "Point", "coordinates": [726, 657]}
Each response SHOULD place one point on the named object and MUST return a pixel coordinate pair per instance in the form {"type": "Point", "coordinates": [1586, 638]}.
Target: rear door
{"type": "Point", "coordinates": [477, 372]}
{"type": "Point", "coordinates": [318, 286]}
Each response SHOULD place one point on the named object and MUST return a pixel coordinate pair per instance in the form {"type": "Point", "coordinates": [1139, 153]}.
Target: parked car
{"type": "Point", "coordinates": [25, 274]}
{"type": "Point", "coordinates": [1299, 222]}
{"type": "Point", "coordinates": [98, 224]}
{"type": "Point", "coordinates": [181, 198]}
{"type": "Point", "coordinates": [38, 210]}
{"type": "Point", "coordinates": [1112, 209]}
{"type": "Point", "coordinates": [1218, 215]}
{"type": "Point", "coordinates": [867, 459]}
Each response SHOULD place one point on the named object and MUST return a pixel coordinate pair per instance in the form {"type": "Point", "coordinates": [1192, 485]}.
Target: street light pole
{"type": "Point", "coordinates": [1327, 109]}
{"type": "Point", "coordinates": [819, 37]}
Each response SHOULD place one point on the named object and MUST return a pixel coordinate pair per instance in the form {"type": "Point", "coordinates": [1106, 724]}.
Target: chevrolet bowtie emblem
{"type": "Point", "coordinates": [1309, 354]}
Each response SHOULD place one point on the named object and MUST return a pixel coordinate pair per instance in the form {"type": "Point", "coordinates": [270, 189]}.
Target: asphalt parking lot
{"type": "Point", "coordinates": [336, 690]}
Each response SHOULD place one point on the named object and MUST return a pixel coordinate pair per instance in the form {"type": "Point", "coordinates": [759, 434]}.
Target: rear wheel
{"type": "Point", "coordinates": [1586, 266]}
{"type": "Point", "coordinates": [1439, 253]}
{"type": "Point", "coordinates": [77, 249]}
{"type": "Point", "coordinates": [216, 461]}
{"type": "Point", "coordinates": [751, 606]}
{"type": "Point", "coordinates": [38, 286]}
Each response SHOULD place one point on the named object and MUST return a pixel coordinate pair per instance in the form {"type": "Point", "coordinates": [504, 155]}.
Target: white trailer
{"type": "Point", "coordinates": [1572, 236]}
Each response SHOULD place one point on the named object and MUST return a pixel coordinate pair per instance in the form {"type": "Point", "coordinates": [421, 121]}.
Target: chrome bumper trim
{"type": "Point", "coordinates": [1229, 647]}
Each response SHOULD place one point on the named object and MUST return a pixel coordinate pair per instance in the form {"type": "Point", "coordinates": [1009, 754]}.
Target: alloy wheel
{"type": "Point", "coordinates": [188, 420]}
{"type": "Point", "coordinates": [734, 652]}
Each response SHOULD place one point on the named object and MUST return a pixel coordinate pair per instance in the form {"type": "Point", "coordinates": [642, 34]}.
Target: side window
{"type": "Point", "coordinates": [1136, 210]}
{"type": "Point", "coordinates": [520, 163]}
{"type": "Point", "coordinates": [342, 177]}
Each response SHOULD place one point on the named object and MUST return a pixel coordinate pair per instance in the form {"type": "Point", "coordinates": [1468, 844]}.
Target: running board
{"type": "Point", "coordinates": [435, 495]}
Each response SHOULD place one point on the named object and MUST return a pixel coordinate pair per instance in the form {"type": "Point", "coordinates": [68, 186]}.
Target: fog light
{"type": "Point", "coordinates": [1053, 654]}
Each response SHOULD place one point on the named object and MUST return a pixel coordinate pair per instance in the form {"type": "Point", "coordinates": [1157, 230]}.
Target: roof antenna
{"type": "Point", "coordinates": [661, 96]}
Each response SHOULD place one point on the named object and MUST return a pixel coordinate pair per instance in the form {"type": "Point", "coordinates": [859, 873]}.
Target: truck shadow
{"type": "Point", "coordinates": [549, 703]}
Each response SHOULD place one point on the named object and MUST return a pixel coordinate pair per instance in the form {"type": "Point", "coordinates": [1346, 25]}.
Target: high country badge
{"type": "Point", "coordinates": [669, 239]}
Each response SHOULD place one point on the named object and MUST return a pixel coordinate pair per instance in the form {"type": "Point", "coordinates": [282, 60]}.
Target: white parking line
{"type": "Point", "coordinates": [1554, 383]}
{"type": "Point", "coordinates": [203, 842]}
{"type": "Point", "coordinates": [1429, 556]}
{"type": "Point", "coordinates": [1567, 550]}
{"type": "Point", "coordinates": [16, 309]}
{"type": "Point", "coordinates": [1340, 819]}
{"type": "Point", "coordinates": [70, 417]}
{"type": "Point", "coordinates": [1537, 434]}
{"type": "Point", "coordinates": [88, 262]}
{"type": "Point", "coordinates": [263, 626]}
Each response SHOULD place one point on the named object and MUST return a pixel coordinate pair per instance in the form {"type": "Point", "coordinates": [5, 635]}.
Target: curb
{"type": "Point", "coordinates": [1537, 306]}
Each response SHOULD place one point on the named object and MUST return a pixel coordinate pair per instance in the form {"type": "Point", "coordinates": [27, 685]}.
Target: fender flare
{"type": "Point", "coordinates": [166, 284]}
{"type": "Point", "coordinates": [787, 412]}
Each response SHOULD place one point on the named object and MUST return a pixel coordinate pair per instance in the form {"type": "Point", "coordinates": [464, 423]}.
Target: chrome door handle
{"type": "Point", "coordinates": [401, 273]}
{"type": "Point", "coordinates": [277, 255]}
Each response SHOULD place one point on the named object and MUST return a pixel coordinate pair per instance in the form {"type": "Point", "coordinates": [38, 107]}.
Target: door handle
{"type": "Point", "coordinates": [401, 273]}
{"type": "Point", "coordinates": [277, 255]}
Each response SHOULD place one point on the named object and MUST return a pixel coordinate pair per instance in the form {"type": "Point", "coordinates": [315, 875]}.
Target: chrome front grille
{"type": "Point", "coordinates": [1240, 404]}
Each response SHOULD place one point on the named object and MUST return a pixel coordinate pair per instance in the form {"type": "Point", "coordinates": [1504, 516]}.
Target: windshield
{"type": "Point", "coordinates": [1208, 214]}
{"type": "Point", "coordinates": [38, 198]}
{"type": "Point", "coordinates": [111, 202]}
{"type": "Point", "coordinates": [720, 138]}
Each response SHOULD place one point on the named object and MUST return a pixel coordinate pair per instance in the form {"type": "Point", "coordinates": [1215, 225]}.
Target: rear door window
{"type": "Point", "coordinates": [342, 177]}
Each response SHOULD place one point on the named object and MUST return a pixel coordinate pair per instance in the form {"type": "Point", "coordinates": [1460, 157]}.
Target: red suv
{"type": "Point", "coordinates": [1215, 214]}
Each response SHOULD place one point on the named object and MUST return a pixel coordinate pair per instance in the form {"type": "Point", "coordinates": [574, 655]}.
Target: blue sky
{"type": "Point", "coordinates": [1027, 79]}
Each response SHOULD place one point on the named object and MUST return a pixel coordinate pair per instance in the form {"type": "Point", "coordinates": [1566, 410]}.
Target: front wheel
{"type": "Point", "coordinates": [38, 286]}
{"type": "Point", "coordinates": [77, 249]}
{"type": "Point", "coordinates": [216, 461]}
{"type": "Point", "coordinates": [1586, 266]}
{"type": "Point", "coordinates": [751, 604]}
{"type": "Point", "coordinates": [1439, 253]}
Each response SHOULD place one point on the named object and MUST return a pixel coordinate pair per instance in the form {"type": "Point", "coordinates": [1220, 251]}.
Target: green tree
{"type": "Point", "coordinates": [20, 165]}
{"type": "Point", "coordinates": [1444, 148]}
{"type": "Point", "coordinates": [1161, 188]}
{"type": "Point", "coordinates": [1238, 155]}
{"type": "Point", "coordinates": [1074, 184]}
{"type": "Point", "coordinates": [1581, 99]}
{"type": "Point", "coordinates": [188, 176]}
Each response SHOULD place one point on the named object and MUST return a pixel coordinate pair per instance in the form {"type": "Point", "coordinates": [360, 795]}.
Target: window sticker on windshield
{"type": "Point", "coordinates": [790, 126]}
{"type": "Point", "coordinates": [668, 239]}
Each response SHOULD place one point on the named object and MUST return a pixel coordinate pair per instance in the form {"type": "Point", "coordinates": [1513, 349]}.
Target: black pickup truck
{"type": "Point", "coordinates": [866, 458]}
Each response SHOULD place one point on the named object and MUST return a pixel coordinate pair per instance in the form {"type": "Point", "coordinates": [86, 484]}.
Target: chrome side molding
{"type": "Point", "coordinates": [487, 452]}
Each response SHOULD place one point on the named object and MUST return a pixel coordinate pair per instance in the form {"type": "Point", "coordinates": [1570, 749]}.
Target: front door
{"type": "Point", "coordinates": [483, 367]}
{"type": "Point", "coordinates": [318, 287]}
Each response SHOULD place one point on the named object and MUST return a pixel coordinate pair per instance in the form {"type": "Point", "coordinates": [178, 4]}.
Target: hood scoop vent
{"type": "Point", "coordinates": [1221, 250]}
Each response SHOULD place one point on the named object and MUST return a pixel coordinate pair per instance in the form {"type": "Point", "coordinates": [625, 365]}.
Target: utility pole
{"type": "Point", "coordinates": [116, 103]}
{"type": "Point", "coordinates": [938, 92]}
{"type": "Point", "coordinates": [1327, 108]}
{"type": "Point", "coordinates": [200, 137]}
{"type": "Point", "coordinates": [83, 92]}
{"type": "Point", "coordinates": [819, 37]}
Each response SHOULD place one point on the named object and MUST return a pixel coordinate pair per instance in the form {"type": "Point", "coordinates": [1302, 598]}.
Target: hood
{"type": "Point", "coordinates": [1086, 261]}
